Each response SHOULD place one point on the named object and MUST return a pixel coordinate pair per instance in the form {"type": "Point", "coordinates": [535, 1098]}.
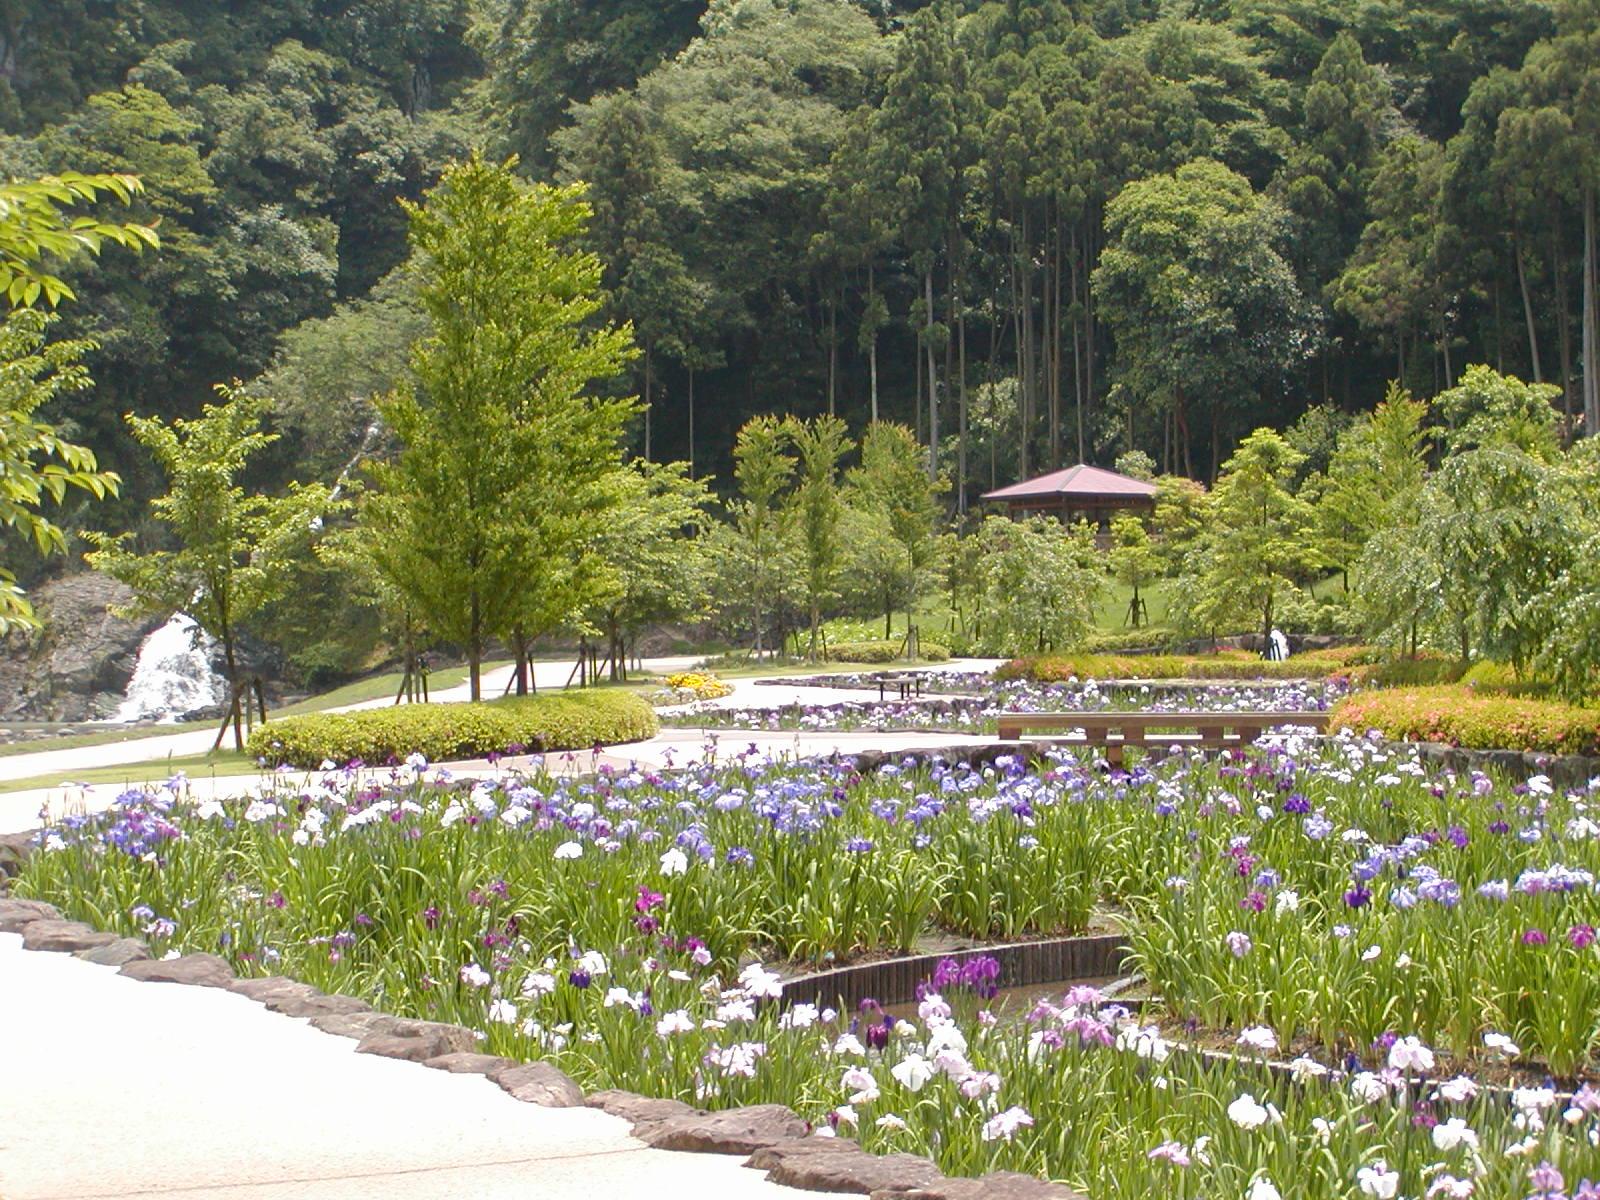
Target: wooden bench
{"type": "Point", "coordinates": [1118, 730]}
{"type": "Point", "coordinates": [905, 682]}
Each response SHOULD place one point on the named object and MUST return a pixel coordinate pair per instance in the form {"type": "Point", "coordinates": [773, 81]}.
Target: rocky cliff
{"type": "Point", "coordinates": [78, 666]}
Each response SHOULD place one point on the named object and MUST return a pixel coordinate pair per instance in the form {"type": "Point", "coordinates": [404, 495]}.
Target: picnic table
{"type": "Point", "coordinates": [1115, 731]}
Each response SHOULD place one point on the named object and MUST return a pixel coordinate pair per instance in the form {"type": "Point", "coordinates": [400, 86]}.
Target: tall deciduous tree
{"type": "Point", "coordinates": [1042, 584]}
{"type": "Point", "coordinates": [230, 546]}
{"type": "Point", "coordinates": [892, 479]}
{"type": "Point", "coordinates": [818, 507]}
{"type": "Point", "coordinates": [1135, 563]}
{"type": "Point", "coordinates": [1373, 476]}
{"type": "Point", "coordinates": [36, 463]}
{"type": "Point", "coordinates": [1257, 543]}
{"type": "Point", "coordinates": [762, 527]}
{"type": "Point", "coordinates": [654, 550]}
{"type": "Point", "coordinates": [38, 233]}
{"type": "Point", "coordinates": [499, 489]}
{"type": "Point", "coordinates": [1203, 304]}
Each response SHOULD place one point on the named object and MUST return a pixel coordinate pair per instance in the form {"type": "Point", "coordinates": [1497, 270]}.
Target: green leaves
{"type": "Point", "coordinates": [230, 547]}
{"type": "Point", "coordinates": [36, 464]}
{"type": "Point", "coordinates": [486, 519]}
{"type": "Point", "coordinates": [35, 228]}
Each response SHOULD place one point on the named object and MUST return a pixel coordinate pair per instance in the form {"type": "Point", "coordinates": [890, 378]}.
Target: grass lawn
{"type": "Point", "coordinates": [222, 763]}
{"type": "Point", "coordinates": [1110, 615]}
{"type": "Point", "coordinates": [381, 687]}
{"type": "Point", "coordinates": [373, 688]}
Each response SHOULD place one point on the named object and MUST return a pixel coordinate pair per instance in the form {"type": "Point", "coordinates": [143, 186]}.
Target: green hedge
{"type": "Point", "coordinates": [447, 732]}
{"type": "Point", "coordinates": [884, 651]}
{"type": "Point", "coordinates": [1460, 715]}
{"type": "Point", "coordinates": [1228, 664]}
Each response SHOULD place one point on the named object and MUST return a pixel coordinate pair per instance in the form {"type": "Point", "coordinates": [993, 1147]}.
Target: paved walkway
{"type": "Point", "coordinates": [116, 1088]}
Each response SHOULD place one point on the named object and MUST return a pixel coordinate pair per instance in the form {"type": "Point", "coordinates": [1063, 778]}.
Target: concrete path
{"type": "Point", "coordinates": [116, 1088]}
{"type": "Point", "coordinates": [198, 741]}
{"type": "Point", "coordinates": [673, 747]}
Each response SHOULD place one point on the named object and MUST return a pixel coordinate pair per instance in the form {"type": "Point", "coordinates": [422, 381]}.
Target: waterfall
{"type": "Point", "coordinates": [173, 676]}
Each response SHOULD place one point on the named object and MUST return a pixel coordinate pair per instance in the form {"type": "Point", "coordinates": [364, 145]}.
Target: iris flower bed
{"type": "Point", "coordinates": [956, 713]}
{"type": "Point", "coordinates": [1403, 937]}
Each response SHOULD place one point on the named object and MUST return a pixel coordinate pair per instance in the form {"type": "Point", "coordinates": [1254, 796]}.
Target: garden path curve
{"type": "Point", "coordinates": [117, 1088]}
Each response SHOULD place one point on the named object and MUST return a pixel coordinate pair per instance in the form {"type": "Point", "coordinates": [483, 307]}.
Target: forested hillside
{"type": "Point", "coordinates": [1036, 231]}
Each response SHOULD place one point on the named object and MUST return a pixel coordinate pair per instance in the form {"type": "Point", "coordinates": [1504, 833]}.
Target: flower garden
{"type": "Point", "coordinates": [973, 703]}
{"type": "Point", "coordinates": [1416, 952]}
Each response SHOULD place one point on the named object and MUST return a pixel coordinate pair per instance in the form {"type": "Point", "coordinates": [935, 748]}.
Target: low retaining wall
{"type": "Point", "coordinates": [1563, 770]}
{"type": "Point", "coordinates": [1022, 964]}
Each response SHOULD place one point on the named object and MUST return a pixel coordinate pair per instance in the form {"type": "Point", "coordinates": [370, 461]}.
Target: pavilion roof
{"type": "Point", "coordinates": [1081, 482]}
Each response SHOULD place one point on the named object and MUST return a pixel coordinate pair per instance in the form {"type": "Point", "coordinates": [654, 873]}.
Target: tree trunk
{"type": "Point", "coordinates": [691, 422]}
{"type": "Point", "coordinates": [833, 350]}
{"type": "Point", "coordinates": [230, 661]}
{"type": "Point", "coordinates": [1558, 270]}
{"type": "Point", "coordinates": [521, 643]}
{"type": "Point", "coordinates": [1591, 318]}
{"type": "Point", "coordinates": [872, 342]}
{"type": "Point", "coordinates": [1055, 347]}
{"type": "Point", "coordinates": [648, 381]}
{"type": "Point", "coordinates": [1181, 419]}
{"type": "Point", "coordinates": [933, 377]}
{"type": "Point", "coordinates": [1444, 346]}
{"type": "Point", "coordinates": [961, 342]}
{"type": "Point", "coordinates": [1527, 312]}
{"type": "Point", "coordinates": [475, 648]}
{"type": "Point", "coordinates": [1077, 357]}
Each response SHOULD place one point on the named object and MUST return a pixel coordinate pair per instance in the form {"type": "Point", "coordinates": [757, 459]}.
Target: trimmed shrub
{"type": "Point", "coordinates": [883, 651]}
{"type": "Point", "coordinates": [694, 685]}
{"type": "Point", "coordinates": [1124, 641]}
{"type": "Point", "coordinates": [447, 732]}
{"type": "Point", "coordinates": [1227, 664]}
{"type": "Point", "coordinates": [1460, 715]}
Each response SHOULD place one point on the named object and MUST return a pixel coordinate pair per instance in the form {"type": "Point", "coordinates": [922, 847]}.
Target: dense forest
{"type": "Point", "coordinates": [1036, 231]}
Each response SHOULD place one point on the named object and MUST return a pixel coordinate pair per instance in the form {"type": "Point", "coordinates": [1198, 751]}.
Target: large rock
{"type": "Point", "coordinates": [539, 1083]}
{"type": "Point", "coordinates": [78, 665]}
{"type": "Point", "coordinates": [63, 936]}
{"type": "Point", "coordinates": [14, 847]}
{"type": "Point", "coordinates": [730, 1131]}
{"type": "Point", "coordinates": [116, 954]}
{"type": "Point", "coordinates": [17, 914]}
{"type": "Point", "coordinates": [359, 1025]}
{"type": "Point", "coordinates": [418, 1041]}
{"type": "Point", "coordinates": [838, 1165]}
{"type": "Point", "coordinates": [638, 1109]}
{"type": "Point", "coordinates": [469, 1062]}
{"type": "Point", "coordinates": [197, 970]}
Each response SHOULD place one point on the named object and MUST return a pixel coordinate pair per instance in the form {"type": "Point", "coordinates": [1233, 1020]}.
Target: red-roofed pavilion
{"type": "Point", "coordinates": [1080, 493]}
